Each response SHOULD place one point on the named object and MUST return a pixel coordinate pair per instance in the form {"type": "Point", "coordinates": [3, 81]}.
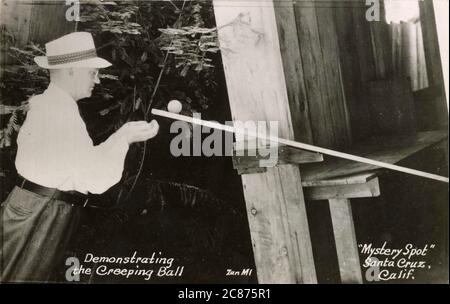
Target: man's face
{"type": "Point", "coordinates": [84, 80]}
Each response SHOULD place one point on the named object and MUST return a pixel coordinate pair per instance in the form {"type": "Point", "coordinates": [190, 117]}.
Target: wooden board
{"type": "Point", "coordinates": [275, 204]}
{"type": "Point", "coordinates": [293, 71]}
{"type": "Point", "coordinates": [433, 59]}
{"type": "Point", "coordinates": [318, 48]}
{"type": "Point", "coordinates": [430, 43]}
{"type": "Point", "coordinates": [49, 21]}
{"type": "Point", "coordinates": [369, 189]}
{"type": "Point", "coordinates": [248, 159]}
{"type": "Point", "coordinates": [357, 106]}
{"type": "Point", "coordinates": [390, 150]}
{"type": "Point", "coordinates": [381, 45]}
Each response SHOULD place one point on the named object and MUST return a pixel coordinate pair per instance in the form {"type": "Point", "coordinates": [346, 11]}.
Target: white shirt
{"type": "Point", "coordinates": [55, 150]}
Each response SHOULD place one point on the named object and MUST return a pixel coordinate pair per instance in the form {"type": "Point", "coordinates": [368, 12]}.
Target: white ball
{"type": "Point", "coordinates": [174, 106]}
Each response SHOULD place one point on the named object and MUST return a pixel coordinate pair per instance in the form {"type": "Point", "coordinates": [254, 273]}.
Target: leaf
{"type": "Point", "coordinates": [176, 52]}
{"type": "Point", "coordinates": [213, 50]}
{"type": "Point", "coordinates": [172, 31]}
{"type": "Point", "coordinates": [198, 68]}
{"type": "Point", "coordinates": [137, 104]}
{"type": "Point", "coordinates": [185, 70]}
{"type": "Point", "coordinates": [108, 76]}
{"type": "Point", "coordinates": [168, 48]}
{"type": "Point", "coordinates": [144, 57]}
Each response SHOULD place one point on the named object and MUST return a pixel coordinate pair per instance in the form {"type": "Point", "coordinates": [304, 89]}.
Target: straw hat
{"type": "Point", "coordinates": [75, 50]}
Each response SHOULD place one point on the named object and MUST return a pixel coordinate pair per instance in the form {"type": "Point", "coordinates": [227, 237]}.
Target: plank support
{"type": "Point", "coordinates": [369, 189]}
{"type": "Point", "coordinates": [247, 161]}
{"type": "Point", "coordinates": [346, 243]}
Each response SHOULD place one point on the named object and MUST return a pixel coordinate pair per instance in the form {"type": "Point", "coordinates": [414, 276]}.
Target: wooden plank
{"type": "Point", "coordinates": [335, 98]}
{"type": "Point", "coordinates": [345, 238]}
{"type": "Point", "coordinates": [314, 73]}
{"type": "Point", "coordinates": [386, 149]}
{"type": "Point", "coordinates": [277, 217]}
{"type": "Point", "coordinates": [322, 74]}
{"type": "Point", "coordinates": [356, 102]}
{"type": "Point", "coordinates": [382, 48]}
{"type": "Point", "coordinates": [49, 21]}
{"type": "Point", "coordinates": [250, 158]}
{"type": "Point", "coordinates": [361, 31]}
{"type": "Point", "coordinates": [441, 16]}
{"type": "Point", "coordinates": [368, 189]}
{"type": "Point", "coordinates": [430, 43]}
{"type": "Point", "coordinates": [293, 71]}
{"type": "Point", "coordinates": [433, 59]}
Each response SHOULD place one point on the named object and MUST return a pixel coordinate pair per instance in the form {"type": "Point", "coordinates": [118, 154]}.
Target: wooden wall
{"type": "Point", "coordinates": [317, 64]}
{"type": "Point", "coordinates": [332, 59]}
{"type": "Point", "coordinates": [438, 104]}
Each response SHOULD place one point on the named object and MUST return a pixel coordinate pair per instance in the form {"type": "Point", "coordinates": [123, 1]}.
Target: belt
{"type": "Point", "coordinates": [71, 197]}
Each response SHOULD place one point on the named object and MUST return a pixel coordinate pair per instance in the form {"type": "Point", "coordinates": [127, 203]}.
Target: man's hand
{"type": "Point", "coordinates": [136, 131]}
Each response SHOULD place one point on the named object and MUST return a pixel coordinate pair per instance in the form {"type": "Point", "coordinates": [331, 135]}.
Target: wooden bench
{"type": "Point", "coordinates": [339, 180]}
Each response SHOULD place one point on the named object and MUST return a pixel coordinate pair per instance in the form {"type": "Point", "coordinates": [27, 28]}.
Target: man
{"type": "Point", "coordinates": [58, 163]}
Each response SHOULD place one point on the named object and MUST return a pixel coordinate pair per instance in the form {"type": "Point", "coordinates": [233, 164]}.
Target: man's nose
{"type": "Point", "coordinates": [96, 79]}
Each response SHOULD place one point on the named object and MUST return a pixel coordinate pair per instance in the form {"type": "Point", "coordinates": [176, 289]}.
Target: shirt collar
{"type": "Point", "coordinates": [62, 95]}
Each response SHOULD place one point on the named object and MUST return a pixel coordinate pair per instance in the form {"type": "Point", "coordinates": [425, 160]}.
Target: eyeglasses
{"type": "Point", "coordinates": [94, 73]}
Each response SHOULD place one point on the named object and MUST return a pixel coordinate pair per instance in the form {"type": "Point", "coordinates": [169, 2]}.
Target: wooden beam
{"type": "Point", "coordinates": [369, 189]}
{"type": "Point", "coordinates": [431, 43]}
{"type": "Point", "coordinates": [355, 95]}
{"type": "Point", "coordinates": [345, 238]}
{"type": "Point", "coordinates": [49, 21]}
{"type": "Point", "coordinates": [275, 205]}
{"type": "Point", "coordinates": [381, 46]}
{"type": "Point", "coordinates": [441, 18]}
{"type": "Point", "coordinates": [293, 71]}
{"type": "Point", "coordinates": [323, 81]}
{"type": "Point", "coordinates": [433, 59]}
{"type": "Point", "coordinates": [249, 160]}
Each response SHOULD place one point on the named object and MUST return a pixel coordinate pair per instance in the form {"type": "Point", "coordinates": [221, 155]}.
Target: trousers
{"type": "Point", "coordinates": [34, 233]}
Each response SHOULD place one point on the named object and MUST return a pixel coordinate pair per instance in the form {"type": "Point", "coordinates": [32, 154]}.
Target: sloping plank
{"type": "Point", "coordinates": [390, 150]}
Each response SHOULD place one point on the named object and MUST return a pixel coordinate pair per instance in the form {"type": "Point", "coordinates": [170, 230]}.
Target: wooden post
{"type": "Point", "coordinates": [293, 71]}
{"type": "Point", "coordinates": [345, 238]}
{"type": "Point", "coordinates": [433, 59]}
{"type": "Point", "coordinates": [257, 92]}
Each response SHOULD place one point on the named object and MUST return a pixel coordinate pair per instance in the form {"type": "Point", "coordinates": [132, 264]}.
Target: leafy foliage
{"type": "Point", "coordinates": [160, 50]}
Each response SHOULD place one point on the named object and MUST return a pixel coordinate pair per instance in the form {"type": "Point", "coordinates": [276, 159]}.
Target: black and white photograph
{"type": "Point", "coordinates": [251, 142]}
